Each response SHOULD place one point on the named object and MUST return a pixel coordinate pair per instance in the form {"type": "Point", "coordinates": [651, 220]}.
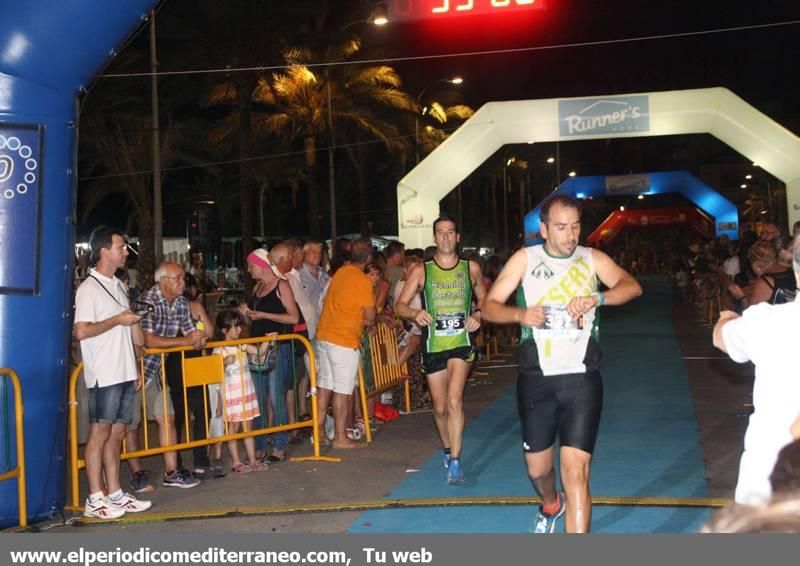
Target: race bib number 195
{"type": "Point", "coordinates": [450, 323]}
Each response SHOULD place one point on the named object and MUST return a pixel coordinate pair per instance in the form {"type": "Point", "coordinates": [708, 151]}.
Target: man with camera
{"type": "Point", "coordinates": [106, 329]}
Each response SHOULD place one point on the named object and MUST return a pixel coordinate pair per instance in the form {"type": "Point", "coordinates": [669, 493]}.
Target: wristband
{"type": "Point", "coordinates": [601, 298]}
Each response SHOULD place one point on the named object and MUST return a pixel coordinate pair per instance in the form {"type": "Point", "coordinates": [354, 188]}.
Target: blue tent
{"type": "Point", "coordinates": [49, 52]}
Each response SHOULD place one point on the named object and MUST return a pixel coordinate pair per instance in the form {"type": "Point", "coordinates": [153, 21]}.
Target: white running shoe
{"type": "Point", "coordinates": [129, 504]}
{"type": "Point", "coordinates": [102, 509]}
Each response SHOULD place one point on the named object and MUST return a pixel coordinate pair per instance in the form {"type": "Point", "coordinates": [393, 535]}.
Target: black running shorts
{"type": "Point", "coordinates": [437, 361]}
{"type": "Point", "coordinates": [566, 405]}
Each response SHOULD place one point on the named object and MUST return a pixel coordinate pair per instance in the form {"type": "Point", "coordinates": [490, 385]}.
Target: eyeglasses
{"type": "Point", "coordinates": [176, 277]}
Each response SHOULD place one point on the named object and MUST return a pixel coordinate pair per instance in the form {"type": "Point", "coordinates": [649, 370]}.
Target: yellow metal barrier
{"type": "Point", "coordinates": [384, 370]}
{"type": "Point", "coordinates": [197, 371]}
{"type": "Point", "coordinates": [19, 471]}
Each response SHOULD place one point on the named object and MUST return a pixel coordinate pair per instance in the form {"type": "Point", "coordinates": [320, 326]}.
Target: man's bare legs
{"type": "Point", "coordinates": [447, 394]}
{"type": "Point", "coordinates": [99, 437]}
{"type": "Point", "coordinates": [166, 436]}
{"type": "Point", "coordinates": [575, 479]}
{"type": "Point", "coordinates": [575, 465]}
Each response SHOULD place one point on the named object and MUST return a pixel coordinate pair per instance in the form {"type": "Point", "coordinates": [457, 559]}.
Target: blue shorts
{"type": "Point", "coordinates": [112, 404]}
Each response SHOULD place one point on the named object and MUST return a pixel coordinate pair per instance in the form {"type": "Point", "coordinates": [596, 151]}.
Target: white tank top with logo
{"type": "Point", "coordinates": [551, 282]}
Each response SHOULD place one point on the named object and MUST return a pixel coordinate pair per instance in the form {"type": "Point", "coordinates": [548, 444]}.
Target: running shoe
{"type": "Point", "coordinates": [130, 504]}
{"type": "Point", "coordinates": [181, 479]}
{"type": "Point", "coordinates": [140, 482]}
{"type": "Point", "coordinates": [102, 509]}
{"type": "Point", "coordinates": [455, 475]}
{"type": "Point", "coordinates": [546, 524]}
{"type": "Point", "coordinates": [446, 459]}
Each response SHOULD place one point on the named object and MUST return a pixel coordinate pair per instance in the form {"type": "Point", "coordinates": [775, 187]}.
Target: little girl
{"type": "Point", "coordinates": [241, 403]}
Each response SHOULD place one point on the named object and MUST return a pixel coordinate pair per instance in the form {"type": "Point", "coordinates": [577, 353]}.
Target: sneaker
{"type": "Point", "coordinates": [130, 504]}
{"type": "Point", "coordinates": [102, 509]}
{"type": "Point", "coordinates": [140, 482]}
{"type": "Point", "coordinates": [546, 524]}
{"type": "Point", "coordinates": [455, 475]}
{"type": "Point", "coordinates": [353, 433]}
{"type": "Point", "coordinates": [181, 479]}
{"type": "Point", "coordinates": [218, 466]}
{"type": "Point", "coordinates": [208, 473]}
{"type": "Point", "coordinates": [446, 459]}
{"type": "Point", "coordinates": [361, 425]}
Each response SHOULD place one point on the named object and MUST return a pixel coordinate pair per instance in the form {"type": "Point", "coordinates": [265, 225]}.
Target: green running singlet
{"type": "Point", "coordinates": [447, 296]}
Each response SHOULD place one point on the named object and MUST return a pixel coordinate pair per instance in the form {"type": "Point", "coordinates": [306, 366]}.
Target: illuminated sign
{"type": "Point", "coordinates": [610, 115]}
{"type": "Point", "coordinates": [404, 10]}
{"type": "Point", "coordinates": [20, 185]}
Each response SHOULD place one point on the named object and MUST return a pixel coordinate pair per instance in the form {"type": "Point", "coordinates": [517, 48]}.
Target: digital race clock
{"type": "Point", "coordinates": [403, 10]}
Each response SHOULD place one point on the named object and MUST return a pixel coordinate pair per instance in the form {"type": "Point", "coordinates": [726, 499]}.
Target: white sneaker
{"type": "Point", "coordinates": [103, 509]}
{"type": "Point", "coordinates": [129, 504]}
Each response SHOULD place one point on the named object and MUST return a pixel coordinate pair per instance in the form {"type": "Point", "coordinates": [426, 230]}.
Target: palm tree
{"type": "Point", "coordinates": [249, 35]}
{"type": "Point", "coordinates": [116, 148]}
{"type": "Point", "coordinates": [360, 102]}
{"type": "Point", "coordinates": [446, 119]}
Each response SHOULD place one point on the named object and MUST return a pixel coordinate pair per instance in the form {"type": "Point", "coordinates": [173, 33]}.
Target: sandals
{"type": "Point", "coordinates": [259, 467]}
{"type": "Point", "coordinates": [241, 468]}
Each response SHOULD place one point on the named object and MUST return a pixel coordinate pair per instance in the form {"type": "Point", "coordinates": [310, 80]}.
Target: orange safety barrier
{"type": "Point", "coordinates": [381, 360]}
{"type": "Point", "coordinates": [19, 471]}
{"type": "Point", "coordinates": [198, 371]}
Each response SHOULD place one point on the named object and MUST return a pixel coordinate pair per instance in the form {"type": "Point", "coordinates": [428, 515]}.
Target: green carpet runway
{"type": "Point", "coordinates": [648, 445]}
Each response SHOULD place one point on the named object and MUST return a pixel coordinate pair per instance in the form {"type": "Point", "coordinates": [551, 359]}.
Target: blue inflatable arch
{"type": "Point", "coordinates": [721, 209]}
{"type": "Point", "coordinates": [49, 51]}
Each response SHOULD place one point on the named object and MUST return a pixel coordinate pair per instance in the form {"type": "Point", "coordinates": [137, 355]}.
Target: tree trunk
{"type": "Point", "coordinates": [313, 187]}
{"type": "Point", "coordinates": [359, 159]}
{"type": "Point", "coordinates": [146, 261]}
{"type": "Point", "coordinates": [245, 177]}
{"type": "Point", "coordinates": [493, 211]}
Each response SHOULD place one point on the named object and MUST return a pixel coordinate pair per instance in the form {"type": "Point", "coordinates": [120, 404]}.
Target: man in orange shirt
{"type": "Point", "coordinates": [349, 305]}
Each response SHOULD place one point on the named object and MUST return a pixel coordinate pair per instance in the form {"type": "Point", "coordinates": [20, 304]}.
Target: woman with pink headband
{"type": "Point", "coordinates": [272, 309]}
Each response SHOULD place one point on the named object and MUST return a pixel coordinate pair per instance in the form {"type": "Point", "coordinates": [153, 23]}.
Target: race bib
{"type": "Point", "coordinates": [450, 323]}
{"type": "Point", "coordinates": [558, 322]}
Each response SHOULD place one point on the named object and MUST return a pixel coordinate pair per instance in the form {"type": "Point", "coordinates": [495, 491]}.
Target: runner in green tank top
{"type": "Point", "coordinates": [447, 284]}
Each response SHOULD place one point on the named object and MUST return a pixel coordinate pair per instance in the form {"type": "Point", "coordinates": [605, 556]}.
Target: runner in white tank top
{"type": "Point", "coordinates": [560, 390]}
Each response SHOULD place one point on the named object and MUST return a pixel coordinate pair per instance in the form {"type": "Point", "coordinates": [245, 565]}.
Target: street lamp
{"type": "Point", "coordinates": [378, 18]}
{"type": "Point", "coordinates": [453, 81]}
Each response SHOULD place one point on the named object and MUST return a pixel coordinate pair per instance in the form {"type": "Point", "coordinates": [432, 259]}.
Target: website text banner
{"type": "Point", "coordinates": [393, 550]}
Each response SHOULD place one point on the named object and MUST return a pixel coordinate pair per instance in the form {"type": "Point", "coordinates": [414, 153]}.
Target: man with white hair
{"type": "Point", "coordinates": [767, 336]}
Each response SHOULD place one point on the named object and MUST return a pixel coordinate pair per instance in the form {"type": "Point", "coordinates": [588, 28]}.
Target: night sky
{"type": "Point", "coordinates": [758, 65]}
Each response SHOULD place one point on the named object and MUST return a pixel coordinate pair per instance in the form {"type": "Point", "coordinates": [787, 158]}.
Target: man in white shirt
{"type": "Point", "coordinates": [314, 278]}
{"type": "Point", "coordinates": [106, 329]}
{"type": "Point", "coordinates": [767, 336]}
{"type": "Point", "coordinates": [285, 258]}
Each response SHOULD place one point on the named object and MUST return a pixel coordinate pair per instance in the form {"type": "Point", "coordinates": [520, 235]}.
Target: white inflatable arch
{"type": "Point", "coordinates": [715, 111]}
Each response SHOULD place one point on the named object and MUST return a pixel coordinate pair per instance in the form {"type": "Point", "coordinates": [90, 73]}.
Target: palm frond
{"type": "Point", "coordinates": [437, 112]}
{"type": "Point", "coordinates": [460, 111]}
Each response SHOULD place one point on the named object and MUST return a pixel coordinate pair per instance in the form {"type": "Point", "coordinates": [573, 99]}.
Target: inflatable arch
{"type": "Point", "coordinates": [715, 111]}
{"type": "Point", "coordinates": [49, 51]}
{"type": "Point", "coordinates": [709, 200]}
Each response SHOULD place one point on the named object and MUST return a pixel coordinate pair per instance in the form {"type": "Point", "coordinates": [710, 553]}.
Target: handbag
{"type": "Point", "coordinates": [267, 362]}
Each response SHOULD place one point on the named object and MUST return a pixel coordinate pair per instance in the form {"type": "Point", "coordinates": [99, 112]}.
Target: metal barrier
{"type": "Point", "coordinates": [19, 471]}
{"type": "Point", "coordinates": [197, 371]}
{"type": "Point", "coordinates": [381, 359]}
